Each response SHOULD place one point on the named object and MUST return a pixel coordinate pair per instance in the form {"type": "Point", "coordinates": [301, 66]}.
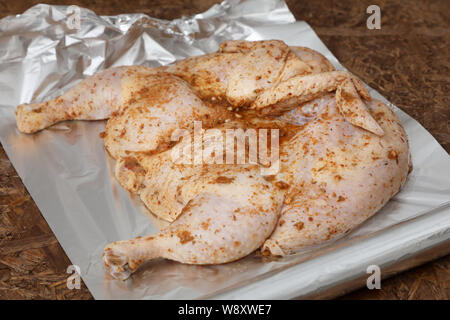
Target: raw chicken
{"type": "Point", "coordinates": [342, 155]}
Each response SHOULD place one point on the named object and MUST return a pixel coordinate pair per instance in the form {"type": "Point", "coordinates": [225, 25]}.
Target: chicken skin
{"type": "Point", "coordinates": [336, 155]}
{"type": "Point", "coordinates": [340, 175]}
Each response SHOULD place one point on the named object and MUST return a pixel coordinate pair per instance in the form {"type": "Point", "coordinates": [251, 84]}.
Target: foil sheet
{"type": "Point", "coordinates": [70, 176]}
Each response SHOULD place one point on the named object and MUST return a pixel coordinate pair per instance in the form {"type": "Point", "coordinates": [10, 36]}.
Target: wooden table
{"type": "Point", "coordinates": [407, 61]}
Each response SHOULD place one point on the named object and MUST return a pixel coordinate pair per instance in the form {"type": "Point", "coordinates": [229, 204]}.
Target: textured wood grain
{"type": "Point", "coordinates": [407, 61]}
{"type": "Point", "coordinates": [32, 263]}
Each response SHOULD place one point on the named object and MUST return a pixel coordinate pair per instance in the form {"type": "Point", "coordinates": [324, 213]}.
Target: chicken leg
{"type": "Point", "coordinates": [211, 229]}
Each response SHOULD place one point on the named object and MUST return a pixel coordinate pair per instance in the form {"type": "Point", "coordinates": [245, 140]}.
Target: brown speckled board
{"type": "Point", "coordinates": [407, 60]}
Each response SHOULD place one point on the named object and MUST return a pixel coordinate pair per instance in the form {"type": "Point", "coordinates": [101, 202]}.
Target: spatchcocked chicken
{"type": "Point", "coordinates": [336, 155]}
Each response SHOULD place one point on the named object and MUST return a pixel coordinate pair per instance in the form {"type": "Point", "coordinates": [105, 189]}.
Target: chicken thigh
{"type": "Point", "coordinates": [339, 175]}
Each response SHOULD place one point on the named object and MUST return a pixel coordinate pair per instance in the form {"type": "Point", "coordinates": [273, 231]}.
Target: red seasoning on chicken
{"type": "Point", "coordinates": [341, 155]}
